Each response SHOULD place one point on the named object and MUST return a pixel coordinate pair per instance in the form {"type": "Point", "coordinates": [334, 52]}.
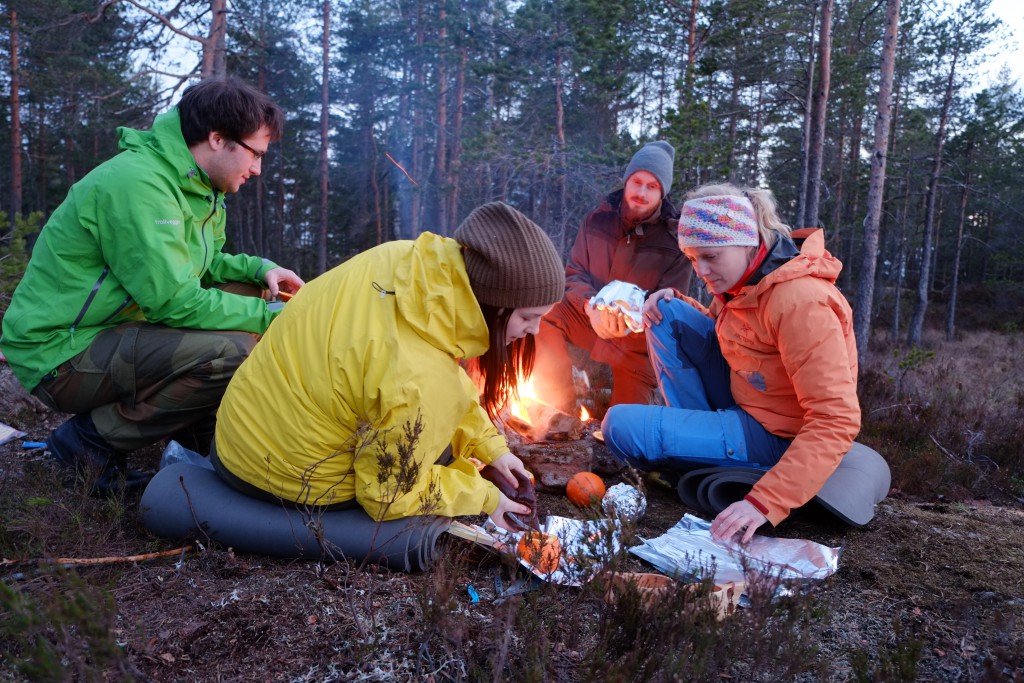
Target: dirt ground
{"type": "Point", "coordinates": [930, 590]}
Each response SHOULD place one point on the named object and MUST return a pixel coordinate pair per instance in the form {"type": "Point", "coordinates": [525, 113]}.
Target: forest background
{"type": "Point", "coordinates": [865, 117]}
{"type": "Point", "coordinates": [869, 118]}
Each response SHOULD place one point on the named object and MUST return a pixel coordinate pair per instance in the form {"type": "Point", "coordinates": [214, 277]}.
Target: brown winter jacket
{"type": "Point", "coordinates": [606, 249]}
{"type": "Point", "coordinates": [789, 342]}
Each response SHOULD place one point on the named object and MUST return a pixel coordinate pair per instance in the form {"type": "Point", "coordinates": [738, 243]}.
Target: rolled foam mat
{"type": "Point", "coordinates": [185, 501]}
{"type": "Point", "coordinates": [726, 488]}
{"type": "Point", "coordinates": [689, 487]}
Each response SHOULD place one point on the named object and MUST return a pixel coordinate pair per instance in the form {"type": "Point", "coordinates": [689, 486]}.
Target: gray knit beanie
{"type": "Point", "coordinates": [511, 262]}
{"type": "Point", "coordinates": [657, 158]}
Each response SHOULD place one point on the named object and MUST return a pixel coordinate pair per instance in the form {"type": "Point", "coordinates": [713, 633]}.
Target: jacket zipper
{"type": "Point", "coordinates": [88, 302]}
{"type": "Point", "coordinates": [206, 246]}
{"type": "Point", "coordinates": [124, 304]}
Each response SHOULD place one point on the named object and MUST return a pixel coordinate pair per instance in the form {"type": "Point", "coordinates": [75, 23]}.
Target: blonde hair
{"type": "Point", "coordinates": [769, 225]}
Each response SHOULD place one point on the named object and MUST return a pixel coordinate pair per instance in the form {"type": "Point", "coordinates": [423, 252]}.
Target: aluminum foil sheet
{"type": "Point", "coordinates": [625, 298]}
{"type": "Point", "coordinates": [689, 553]}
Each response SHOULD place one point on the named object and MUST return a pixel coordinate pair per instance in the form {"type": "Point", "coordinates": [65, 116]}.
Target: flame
{"type": "Point", "coordinates": [584, 414]}
{"type": "Point", "coordinates": [524, 390]}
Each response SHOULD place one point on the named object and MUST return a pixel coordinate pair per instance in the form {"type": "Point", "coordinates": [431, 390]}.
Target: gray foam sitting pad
{"type": "Point", "coordinates": [184, 501]}
{"type": "Point", "coordinates": [858, 484]}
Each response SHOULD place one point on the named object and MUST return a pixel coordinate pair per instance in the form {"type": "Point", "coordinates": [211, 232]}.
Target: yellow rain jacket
{"type": "Point", "coordinates": [360, 354]}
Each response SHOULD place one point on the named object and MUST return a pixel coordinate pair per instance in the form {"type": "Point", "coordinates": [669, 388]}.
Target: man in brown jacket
{"type": "Point", "coordinates": [631, 237]}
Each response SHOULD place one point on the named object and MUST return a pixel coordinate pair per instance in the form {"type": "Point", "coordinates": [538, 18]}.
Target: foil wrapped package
{"type": "Point", "coordinates": [587, 546]}
{"type": "Point", "coordinates": [625, 298]}
{"type": "Point", "coordinates": [624, 502]}
{"type": "Point", "coordinates": [688, 552]}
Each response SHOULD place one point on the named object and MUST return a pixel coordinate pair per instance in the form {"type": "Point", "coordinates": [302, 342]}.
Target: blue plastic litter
{"type": "Point", "coordinates": [33, 444]}
{"type": "Point", "coordinates": [473, 595]}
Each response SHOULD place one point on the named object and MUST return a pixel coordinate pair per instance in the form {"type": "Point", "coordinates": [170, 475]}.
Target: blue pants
{"type": "Point", "coordinates": [700, 425]}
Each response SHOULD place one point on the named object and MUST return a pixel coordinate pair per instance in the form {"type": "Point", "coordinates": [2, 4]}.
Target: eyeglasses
{"type": "Point", "coordinates": [257, 155]}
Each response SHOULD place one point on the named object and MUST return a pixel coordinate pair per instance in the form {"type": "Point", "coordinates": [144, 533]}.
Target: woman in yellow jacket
{"type": "Point", "coordinates": [356, 390]}
{"type": "Point", "coordinates": [764, 377]}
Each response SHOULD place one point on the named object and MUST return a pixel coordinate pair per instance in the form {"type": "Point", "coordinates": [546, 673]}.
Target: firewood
{"type": "Point", "coordinates": [551, 423]}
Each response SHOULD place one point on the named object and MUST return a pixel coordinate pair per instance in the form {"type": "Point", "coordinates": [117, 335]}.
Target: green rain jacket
{"type": "Point", "coordinates": [137, 239]}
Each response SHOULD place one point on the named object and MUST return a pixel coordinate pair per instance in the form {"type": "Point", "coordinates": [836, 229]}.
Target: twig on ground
{"type": "Point", "coordinates": [948, 453]}
{"type": "Point", "coordinates": [82, 561]}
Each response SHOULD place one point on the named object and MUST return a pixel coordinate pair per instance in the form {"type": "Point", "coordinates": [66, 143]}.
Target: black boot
{"type": "Point", "coordinates": [78, 445]}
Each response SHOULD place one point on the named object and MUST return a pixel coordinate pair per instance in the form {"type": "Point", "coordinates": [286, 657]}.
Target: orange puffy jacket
{"type": "Point", "coordinates": [789, 342]}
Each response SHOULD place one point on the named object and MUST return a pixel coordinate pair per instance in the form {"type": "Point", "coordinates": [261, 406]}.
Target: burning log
{"type": "Point", "coordinates": [544, 422]}
{"type": "Point", "coordinates": [551, 424]}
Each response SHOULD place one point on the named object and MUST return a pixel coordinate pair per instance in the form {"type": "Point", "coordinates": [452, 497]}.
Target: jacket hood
{"type": "Point", "coordinates": [435, 297]}
{"type": "Point", "coordinates": [785, 262]}
{"type": "Point", "coordinates": [165, 140]}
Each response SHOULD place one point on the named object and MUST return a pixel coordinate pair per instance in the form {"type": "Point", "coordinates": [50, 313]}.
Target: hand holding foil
{"type": "Point", "coordinates": [622, 300]}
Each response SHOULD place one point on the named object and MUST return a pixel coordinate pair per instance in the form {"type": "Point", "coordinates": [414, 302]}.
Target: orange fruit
{"type": "Point", "coordinates": [540, 550]}
{"type": "Point", "coordinates": [585, 489]}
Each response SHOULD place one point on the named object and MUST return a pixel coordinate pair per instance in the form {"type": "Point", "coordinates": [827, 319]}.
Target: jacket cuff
{"type": "Point", "coordinates": [265, 265]}
{"type": "Point", "coordinates": [492, 496]}
{"type": "Point", "coordinates": [758, 505]}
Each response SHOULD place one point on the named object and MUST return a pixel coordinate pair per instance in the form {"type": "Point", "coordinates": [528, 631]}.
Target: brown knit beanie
{"type": "Point", "coordinates": [511, 262]}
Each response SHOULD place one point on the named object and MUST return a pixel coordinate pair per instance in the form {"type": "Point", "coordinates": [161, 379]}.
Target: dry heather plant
{"type": "Point", "coordinates": [950, 418]}
{"type": "Point", "coordinates": [54, 625]}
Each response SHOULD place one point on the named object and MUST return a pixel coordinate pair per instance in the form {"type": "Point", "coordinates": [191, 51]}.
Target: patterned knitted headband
{"type": "Point", "coordinates": [718, 221]}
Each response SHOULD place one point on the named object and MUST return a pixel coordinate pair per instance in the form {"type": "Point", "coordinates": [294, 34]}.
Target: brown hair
{"type": "Point", "coordinates": [228, 106]}
{"type": "Point", "coordinates": [502, 364]}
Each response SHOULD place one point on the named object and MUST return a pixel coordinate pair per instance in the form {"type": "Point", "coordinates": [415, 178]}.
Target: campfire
{"type": "Point", "coordinates": [536, 420]}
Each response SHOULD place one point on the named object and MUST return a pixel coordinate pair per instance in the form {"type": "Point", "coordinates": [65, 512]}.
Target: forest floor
{"type": "Point", "coordinates": [930, 590]}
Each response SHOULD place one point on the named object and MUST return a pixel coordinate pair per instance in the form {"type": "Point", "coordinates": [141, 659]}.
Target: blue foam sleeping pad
{"type": "Point", "coordinates": [212, 509]}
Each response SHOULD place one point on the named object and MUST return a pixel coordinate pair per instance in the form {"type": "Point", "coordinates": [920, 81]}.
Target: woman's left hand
{"type": "Point", "coordinates": [651, 314]}
{"type": "Point", "coordinates": [740, 516]}
{"type": "Point", "coordinates": [506, 464]}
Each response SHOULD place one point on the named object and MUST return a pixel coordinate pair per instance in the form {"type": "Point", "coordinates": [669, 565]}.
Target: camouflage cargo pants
{"type": "Point", "coordinates": [143, 382]}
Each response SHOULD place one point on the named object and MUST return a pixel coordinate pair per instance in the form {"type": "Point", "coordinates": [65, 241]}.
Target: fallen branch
{"type": "Point", "coordinates": [79, 561]}
{"type": "Point", "coordinates": [948, 453]}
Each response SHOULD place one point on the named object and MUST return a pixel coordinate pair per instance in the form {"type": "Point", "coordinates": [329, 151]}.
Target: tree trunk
{"type": "Point", "coordinates": [734, 106]}
{"type": "Point", "coordinates": [835, 223]}
{"type": "Point", "coordinates": [378, 216]}
{"type": "Point", "coordinates": [258, 228]}
{"type": "Point", "coordinates": [876, 184]}
{"type": "Point", "coordinates": [805, 138]}
{"type": "Point", "coordinates": [755, 150]}
{"type": "Point", "coordinates": [923, 283]}
{"type": "Point", "coordinates": [691, 47]}
{"type": "Point", "coordinates": [847, 213]}
{"type": "Point", "coordinates": [214, 62]}
{"type": "Point", "coordinates": [560, 165]}
{"type": "Point", "coordinates": [441, 128]}
{"type": "Point", "coordinates": [325, 112]}
{"type": "Point", "coordinates": [820, 105]}
{"type": "Point", "coordinates": [455, 166]}
{"type": "Point", "coordinates": [954, 286]}
{"type": "Point", "coordinates": [16, 172]}
{"type": "Point", "coordinates": [416, 102]}
{"type": "Point", "coordinates": [901, 251]}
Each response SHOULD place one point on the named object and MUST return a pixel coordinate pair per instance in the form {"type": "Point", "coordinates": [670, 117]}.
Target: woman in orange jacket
{"type": "Point", "coordinates": [766, 376]}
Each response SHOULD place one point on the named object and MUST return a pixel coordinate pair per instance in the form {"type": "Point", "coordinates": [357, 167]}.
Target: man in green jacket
{"type": "Point", "coordinates": [130, 315]}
